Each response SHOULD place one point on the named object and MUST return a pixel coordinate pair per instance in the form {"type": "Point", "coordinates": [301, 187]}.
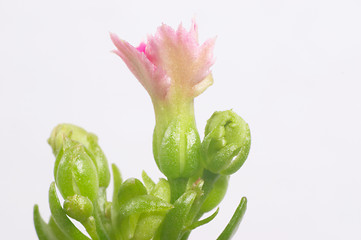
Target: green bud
{"type": "Point", "coordinates": [226, 143]}
{"type": "Point", "coordinates": [90, 142]}
{"type": "Point", "coordinates": [78, 207]}
{"type": "Point", "coordinates": [217, 194]}
{"type": "Point", "coordinates": [75, 172]}
{"type": "Point", "coordinates": [177, 149]}
{"type": "Point", "coordinates": [129, 189]}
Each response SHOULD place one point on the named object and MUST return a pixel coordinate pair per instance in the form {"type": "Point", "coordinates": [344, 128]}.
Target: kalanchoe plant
{"type": "Point", "coordinates": [174, 68]}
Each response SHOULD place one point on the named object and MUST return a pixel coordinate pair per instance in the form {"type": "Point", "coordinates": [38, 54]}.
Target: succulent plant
{"type": "Point", "coordinates": [174, 68]}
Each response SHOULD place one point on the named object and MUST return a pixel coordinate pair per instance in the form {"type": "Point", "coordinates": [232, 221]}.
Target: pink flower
{"type": "Point", "coordinates": [170, 63]}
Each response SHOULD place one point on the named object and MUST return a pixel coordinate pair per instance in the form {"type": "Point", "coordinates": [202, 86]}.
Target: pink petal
{"type": "Point", "coordinates": [179, 54]}
{"type": "Point", "coordinates": [153, 78]}
{"type": "Point", "coordinates": [141, 47]}
{"type": "Point", "coordinates": [202, 85]}
{"type": "Point", "coordinates": [204, 60]}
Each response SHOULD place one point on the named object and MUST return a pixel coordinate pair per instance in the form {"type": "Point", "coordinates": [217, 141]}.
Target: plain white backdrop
{"type": "Point", "coordinates": [291, 69]}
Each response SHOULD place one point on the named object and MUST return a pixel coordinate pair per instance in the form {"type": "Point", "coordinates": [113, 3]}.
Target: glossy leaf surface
{"type": "Point", "coordinates": [236, 219]}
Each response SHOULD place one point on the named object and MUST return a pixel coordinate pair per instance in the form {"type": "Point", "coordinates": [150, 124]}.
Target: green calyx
{"type": "Point", "coordinates": [176, 142]}
{"type": "Point", "coordinates": [226, 143]}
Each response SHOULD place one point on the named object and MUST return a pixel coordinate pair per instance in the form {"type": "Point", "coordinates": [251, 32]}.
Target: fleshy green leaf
{"type": "Point", "coordinates": [130, 188]}
{"type": "Point", "coordinates": [56, 230]}
{"type": "Point", "coordinates": [143, 204]}
{"type": "Point", "coordinates": [43, 231]}
{"type": "Point", "coordinates": [204, 221]}
{"type": "Point", "coordinates": [162, 190]}
{"type": "Point", "coordinates": [173, 224]}
{"type": "Point", "coordinates": [147, 225]}
{"type": "Point", "coordinates": [60, 217]}
{"type": "Point", "coordinates": [117, 181]}
{"type": "Point", "coordinates": [236, 219]}
{"type": "Point", "coordinates": [148, 182]}
{"type": "Point", "coordinates": [216, 195]}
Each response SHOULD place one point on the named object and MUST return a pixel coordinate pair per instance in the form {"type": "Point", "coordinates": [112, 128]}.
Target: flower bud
{"type": "Point", "coordinates": [78, 207]}
{"type": "Point", "coordinates": [226, 143]}
{"type": "Point", "coordinates": [177, 149]}
{"type": "Point", "coordinates": [75, 172]}
{"type": "Point", "coordinates": [90, 142]}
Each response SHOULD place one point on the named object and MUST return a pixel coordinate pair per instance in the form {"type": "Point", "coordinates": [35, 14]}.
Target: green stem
{"type": "Point", "coordinates": [195, 214]}
{"type": "Point", "coordinates": [209, 179]}
{"type": "Point", "coordinates": [178, 187]}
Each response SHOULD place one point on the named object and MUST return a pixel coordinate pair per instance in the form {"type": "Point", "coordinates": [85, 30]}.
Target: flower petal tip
{"type": "Point", "coordinates": [170, 59]}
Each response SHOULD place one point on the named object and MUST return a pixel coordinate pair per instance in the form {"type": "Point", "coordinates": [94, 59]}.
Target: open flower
{"type": "Point", "coordinates": [171, 62]}
{"type": "Point", "coordinates": [174, 68]}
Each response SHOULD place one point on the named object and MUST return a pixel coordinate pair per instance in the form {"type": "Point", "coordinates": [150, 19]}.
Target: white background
{"type": "Point", "coordinates": [291, 69]}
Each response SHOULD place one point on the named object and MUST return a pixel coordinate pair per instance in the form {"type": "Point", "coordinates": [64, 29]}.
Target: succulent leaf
{"type": "Point", "coordinates": [43, 231]}
{"type": "Point", "coordinates": [61, 219]}
{"type": "Point", "coordinates": [236, 219]}
{"type": "Point", "coordinates": [173, 225]}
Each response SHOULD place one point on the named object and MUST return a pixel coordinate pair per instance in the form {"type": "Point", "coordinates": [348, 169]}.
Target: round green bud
{"type": "Point", "coordinates": [78, 207]}
{"type": "Point", "coordinates": [217, 194]}
{"type": "Point", "coordinates": [226, 143]}
{"type": "Point", "coordinates": [89, 141]}
{"type": "Point", "coordinates": [75, 172]}
{"type": "Point", "coordinates": [177, 149]}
